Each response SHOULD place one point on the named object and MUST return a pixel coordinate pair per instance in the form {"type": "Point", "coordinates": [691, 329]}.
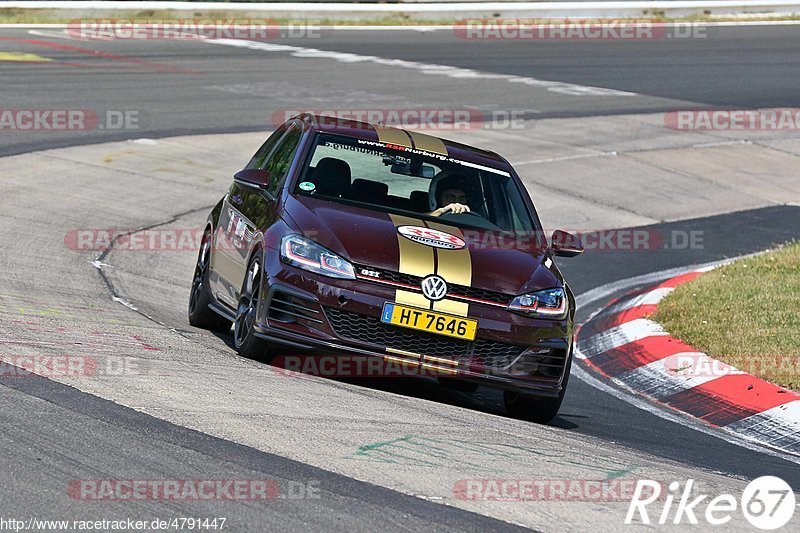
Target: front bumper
{"type": "Point", "coordinates": [305, 312]}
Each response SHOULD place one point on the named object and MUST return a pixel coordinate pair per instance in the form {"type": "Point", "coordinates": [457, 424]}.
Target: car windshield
{"type": "Point", "coordinates": [390, 178]}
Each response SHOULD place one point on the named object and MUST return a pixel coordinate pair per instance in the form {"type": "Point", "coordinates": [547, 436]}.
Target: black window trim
{"type": "Point", "coordinates": [289, 129]}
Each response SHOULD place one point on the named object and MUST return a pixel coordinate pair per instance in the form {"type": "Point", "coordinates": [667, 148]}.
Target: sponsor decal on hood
{"type": "Point", "coordinates": [431, 237]}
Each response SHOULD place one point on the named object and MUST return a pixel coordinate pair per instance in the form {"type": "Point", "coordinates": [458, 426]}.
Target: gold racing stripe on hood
{"type": "Point", "coordinates": [427, 143]}
{"type": "Point", "coordinates": [455, 266]}
{"type": "Point", "coordinates": [415, 259]}
{"type": "Point", "coordinates": [392, 136]}
{"type": "Point", "coordinates": [414, 299]}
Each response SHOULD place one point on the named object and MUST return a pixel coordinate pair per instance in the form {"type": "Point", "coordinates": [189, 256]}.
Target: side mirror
{"type": "Point", "coordinates": [253, 177]}
{"type": "Point", "coordinates": [565, 244]}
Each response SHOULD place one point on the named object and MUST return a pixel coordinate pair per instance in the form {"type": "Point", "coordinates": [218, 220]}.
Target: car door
{"type": "Point", "coordinates": [248, 211]}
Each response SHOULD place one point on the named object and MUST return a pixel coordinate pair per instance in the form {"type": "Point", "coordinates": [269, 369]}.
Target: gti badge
{"type": "Point", "coordinates": [434, 288]}
{"type": "Point", "coordinates": [370, 273]}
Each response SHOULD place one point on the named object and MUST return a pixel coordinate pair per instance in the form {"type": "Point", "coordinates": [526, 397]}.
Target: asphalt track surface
{"type": "Point", "coordinates": [55, 433]}
{"type": "Point", "coordinates": [178, 87]}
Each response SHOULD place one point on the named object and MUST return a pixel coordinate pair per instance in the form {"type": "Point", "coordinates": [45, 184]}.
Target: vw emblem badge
{"type": "Point", "coordinates": [434, 288]}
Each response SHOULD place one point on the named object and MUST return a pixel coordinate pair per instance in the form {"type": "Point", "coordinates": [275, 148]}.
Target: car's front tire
{"type": "Point", "coordinates": [244, 337]}
{"type": "Point", "coordinates": [200, 315]}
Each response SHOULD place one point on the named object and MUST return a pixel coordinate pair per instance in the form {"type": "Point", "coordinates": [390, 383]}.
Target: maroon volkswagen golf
{"type": "Point", "coordinates": [342, 237]}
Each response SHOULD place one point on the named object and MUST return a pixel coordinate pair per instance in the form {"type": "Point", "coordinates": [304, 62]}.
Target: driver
{"type": "Point", "coordinates": [451, 196]}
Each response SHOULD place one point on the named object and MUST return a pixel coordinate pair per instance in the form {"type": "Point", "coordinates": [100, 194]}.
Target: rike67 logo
{"type": "Point", "coordinates": [767, 503]}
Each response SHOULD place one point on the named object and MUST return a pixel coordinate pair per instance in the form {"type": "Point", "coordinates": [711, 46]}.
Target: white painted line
{"type": "Point", "coordinates": [58, 35]}
{"type": "Point", "coordinates": [125, 303]}
{"type": "Point", "coordinates": [425, 68]}
{"type": "Point", "coordinates": [564, 158]}
{"type": "Point", "coordinates": [421, 27]}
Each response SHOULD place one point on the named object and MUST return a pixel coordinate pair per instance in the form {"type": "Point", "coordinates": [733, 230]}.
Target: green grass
{"type": "Point", "coordinates": [746, 314]}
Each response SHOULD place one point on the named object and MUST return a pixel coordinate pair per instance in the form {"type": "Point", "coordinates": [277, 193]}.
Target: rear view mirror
{"type": "Point", "coordinates": [422, 171]}
{"type": "Point", "coordinates": [565, 244]}
{"type": "Point", "coordinates": [253, 177]}
{"type": "Point", "coordinates": [401, 168]}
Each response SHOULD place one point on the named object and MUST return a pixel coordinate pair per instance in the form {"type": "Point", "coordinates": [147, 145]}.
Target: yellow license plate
{"type": "Point", "coordinates": [430, 321]}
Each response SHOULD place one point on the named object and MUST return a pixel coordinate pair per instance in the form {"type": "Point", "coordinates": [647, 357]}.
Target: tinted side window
{"type": "Point", "coordinates": [281, 159]}
{"type": "Point", "coordinates": [258, 160]}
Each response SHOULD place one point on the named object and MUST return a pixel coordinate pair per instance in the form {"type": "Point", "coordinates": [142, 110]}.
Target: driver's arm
{"type": "Point", "coordinates": [453, 208]}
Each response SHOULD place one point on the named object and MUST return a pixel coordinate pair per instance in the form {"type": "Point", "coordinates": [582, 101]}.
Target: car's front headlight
{"type": "Point", "coordinates": [308, 255]}
{"type": "Point", "coordinates": [548, 303]}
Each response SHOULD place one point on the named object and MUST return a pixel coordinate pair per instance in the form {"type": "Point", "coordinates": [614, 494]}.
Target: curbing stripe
{"type": "Point", "coordinates": [779, 427]}
{"type": "Point", "coordinates": [635, 355]}
{"type": "Point", "coordinates": [743, 390]}
{"type": "Point", "coordinates": [661, 379]}
{"type": "Point", "coordinates": [648, 298]}
{"type": "Point", "coordinates": [628, 315]}
{"type": "Point", "coordinates": [671, 283]}
{"type": "Point", "coordinates": [673, 374]}
{"type": "Point", "coordinates": [618, 336]}
{"type": "Point", "coordinates": [623, 344]}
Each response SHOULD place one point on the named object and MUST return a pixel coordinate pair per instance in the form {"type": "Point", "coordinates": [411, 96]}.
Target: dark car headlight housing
{"type": "Point", "coordinates": [308, 255]}
{"type": "Point", "coordinates": [548, 303]}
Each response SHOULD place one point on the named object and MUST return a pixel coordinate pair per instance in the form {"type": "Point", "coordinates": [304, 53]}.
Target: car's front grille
{"type": "Point", "coordinates": [453, 289]}
{"type": "Point", "coordinates": [368, 329]}
{"type": "Point", "coordinates": [481, 294]}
